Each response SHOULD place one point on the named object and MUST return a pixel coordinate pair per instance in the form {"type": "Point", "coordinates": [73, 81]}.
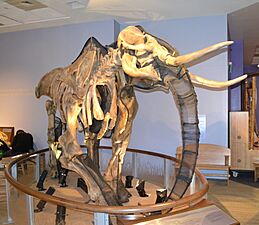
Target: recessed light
{"type": "Point", "coordinates": [26, 3]}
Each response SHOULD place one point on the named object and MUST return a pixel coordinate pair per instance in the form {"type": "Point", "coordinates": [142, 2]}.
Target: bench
{"type": "Point", "coordinates": [213, 161]}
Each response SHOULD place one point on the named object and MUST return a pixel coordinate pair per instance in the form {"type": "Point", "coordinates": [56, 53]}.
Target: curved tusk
{"type": "Point", "coordinates": [215, 84]}
{"type": "Point", "coordinates": [179, 60]}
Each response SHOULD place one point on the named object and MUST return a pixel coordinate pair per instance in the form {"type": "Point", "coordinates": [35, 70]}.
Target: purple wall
{"type": "Point", "coordinates": [237, 60]}
{"type": "Point", "coordinates": [251, 69]}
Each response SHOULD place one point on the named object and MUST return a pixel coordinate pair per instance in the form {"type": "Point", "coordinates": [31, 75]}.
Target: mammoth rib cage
{"type": "Point", "coordinates": [91, 108]}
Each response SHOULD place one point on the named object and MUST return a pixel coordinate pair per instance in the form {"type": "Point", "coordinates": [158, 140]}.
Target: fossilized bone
{"type": "Point", "coordinates": [96, 94]}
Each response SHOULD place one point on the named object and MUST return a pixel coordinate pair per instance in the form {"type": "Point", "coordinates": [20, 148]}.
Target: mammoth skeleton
{"type": "Point", "coordinates": [95, 94]}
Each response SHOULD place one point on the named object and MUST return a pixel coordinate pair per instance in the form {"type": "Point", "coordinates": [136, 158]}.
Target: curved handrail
{"type": "Point", "coordinates": [187, 200]}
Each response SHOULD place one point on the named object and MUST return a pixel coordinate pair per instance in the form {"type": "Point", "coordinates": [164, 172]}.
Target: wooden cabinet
{"type": "Point", "coordinates": [242, 157]}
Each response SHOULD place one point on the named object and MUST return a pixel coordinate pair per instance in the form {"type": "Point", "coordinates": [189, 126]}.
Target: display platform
{"type": "Point", "coordinates": [74, 193]}
{"type": "Point", "coordinates": [138, 163]}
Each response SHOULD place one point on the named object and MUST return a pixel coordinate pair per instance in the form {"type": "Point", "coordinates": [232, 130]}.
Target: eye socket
{"type": "Point", "coordinates": [130, 52]}
{"type": "Point", "coordinates": [145, 40]}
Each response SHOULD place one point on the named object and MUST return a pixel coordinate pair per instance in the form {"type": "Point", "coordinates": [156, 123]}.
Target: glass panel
{"type": "Point", "coordinates": [127, 168]}
{"type": "Point", "coordinates": [156, 171]}
{"type": "Point", "coordinates": [150, 168]}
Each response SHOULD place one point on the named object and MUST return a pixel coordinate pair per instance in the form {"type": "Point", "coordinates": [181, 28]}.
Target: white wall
{"type": "Point", "coordinates": [157, 125]}
{"type": "Point", "coordinates": [26, 56]}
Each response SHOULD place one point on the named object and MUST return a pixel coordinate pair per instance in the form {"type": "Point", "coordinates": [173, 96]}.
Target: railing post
{"type": "Point", "coordinates": [8, 208]}
{"type": "Point", "coordinates": [101, 219]}
{"type": "Point", "coordinates": [30, 210]}
{"type": "Point", "coordinates": [134, 165]}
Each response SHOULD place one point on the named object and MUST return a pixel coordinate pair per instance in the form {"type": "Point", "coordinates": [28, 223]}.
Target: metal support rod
{"type": "Point", "coordinates": [101, 219]}
{"type": "Point", "coordinates": [30, 210]}
{"type": "Point", "coordinates": [8, 208]}
{"type": "Point", "coordinates": [37, 167]}
{"type": "Point", "coordinates": [134, 165]}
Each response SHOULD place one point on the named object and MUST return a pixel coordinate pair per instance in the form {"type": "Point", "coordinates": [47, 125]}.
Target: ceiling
{"type": "Point", "coordinates": [18, 15]}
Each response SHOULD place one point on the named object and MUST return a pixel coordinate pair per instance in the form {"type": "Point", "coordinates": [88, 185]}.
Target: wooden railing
{"type": "Point", "coordinates": [184, 202]}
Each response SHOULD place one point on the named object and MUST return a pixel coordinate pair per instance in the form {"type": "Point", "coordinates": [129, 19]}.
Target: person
{"type": "Point", "coordinates": [3, 148]}
{"type": "Point", "coordinates": [22, 142]}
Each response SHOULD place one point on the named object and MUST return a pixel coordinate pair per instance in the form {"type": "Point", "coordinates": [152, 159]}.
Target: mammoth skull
{"type": "Point", "coordinates": [142, 53]}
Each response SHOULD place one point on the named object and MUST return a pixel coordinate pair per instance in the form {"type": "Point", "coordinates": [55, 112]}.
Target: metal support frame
{"type": "Point", "coordinates": [30, 210]}
{"type": "Point", "coordinates": [8, 208]}
{"type": "Point", "coordinates": [101, 219]}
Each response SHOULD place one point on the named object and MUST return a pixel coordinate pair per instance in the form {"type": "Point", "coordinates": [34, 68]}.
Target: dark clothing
{"type": "Point", "coordinates": [3, 146]}
{"type": "Point", "coordinates": [22, 143]}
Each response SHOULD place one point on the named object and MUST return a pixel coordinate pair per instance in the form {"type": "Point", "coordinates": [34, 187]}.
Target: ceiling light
{"type": "Point", "coordinates": [26, 5]}
{"type": "Point", "coordinates": [77, 4]}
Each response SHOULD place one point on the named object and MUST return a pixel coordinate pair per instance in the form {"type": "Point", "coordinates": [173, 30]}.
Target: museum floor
{"type": "Point", "coordinates": [239, 200]}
